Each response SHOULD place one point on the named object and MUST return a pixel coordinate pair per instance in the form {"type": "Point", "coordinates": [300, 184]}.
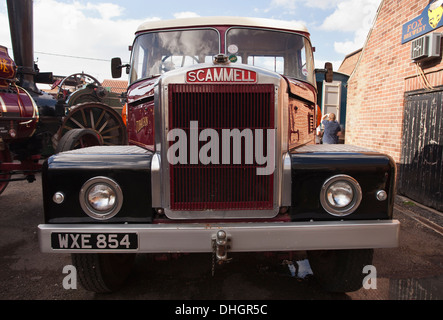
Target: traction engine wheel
{"type": "Point", "coordinates": [5, 156]}
{"type": "Point", "coordinates": [101, 118]}
{"type": "Point", "coordinates": [78, 139]}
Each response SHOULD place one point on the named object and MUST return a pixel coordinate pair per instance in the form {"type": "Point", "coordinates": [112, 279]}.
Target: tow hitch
{"type": "Point", "coordinates": [220, 246]}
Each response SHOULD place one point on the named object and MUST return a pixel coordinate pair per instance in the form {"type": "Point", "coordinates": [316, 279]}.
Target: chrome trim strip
{"type": "Point", "coordinates": [286, 182]}
{"type": "Point", "coordinates": [156, 181]}
{"type": "Point", "coordinates": [281, 141]}
{"type": "Point", "coordinates": [246, 237]}
{"type": "Point", "coordinates": [164, 153]}
{"type": "Point", "coordinates": [284, 105]}
{"type": "Point", "coordinates": [278, 92]}
{"type": "Point", "coordinates": [158, 121]}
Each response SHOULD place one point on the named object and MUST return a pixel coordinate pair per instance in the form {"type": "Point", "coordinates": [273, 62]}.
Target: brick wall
{"type": "Point", "coordinates": [375, 104]}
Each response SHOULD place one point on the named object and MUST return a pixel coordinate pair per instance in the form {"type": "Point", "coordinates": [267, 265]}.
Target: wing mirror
{"type": "Point", "coordinates": [117, 66]}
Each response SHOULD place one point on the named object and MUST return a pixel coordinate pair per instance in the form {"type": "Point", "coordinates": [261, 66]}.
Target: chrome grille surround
{"type": "Point", "coordinates": [162, 176]}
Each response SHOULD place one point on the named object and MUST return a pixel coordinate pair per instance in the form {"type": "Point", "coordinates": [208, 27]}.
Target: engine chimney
{"type": "Point", "coordinates": [21, 26]}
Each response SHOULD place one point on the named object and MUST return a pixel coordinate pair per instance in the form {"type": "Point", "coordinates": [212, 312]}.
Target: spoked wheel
{"type": "Point", "coordinates": [73, 83]}
{"type": "Point", "coordinates": [101, 118]}
{"type": "Point", "coordinates": [5, 156]}
{"type": "Point", "coordinates": [78, 139]}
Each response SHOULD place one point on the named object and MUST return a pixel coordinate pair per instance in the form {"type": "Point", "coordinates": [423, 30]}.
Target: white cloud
{"type": "Point", "coordinates": [349, 16]}
{"type": "Point", "coordinates": [106, 10]}
{"type": "Point", "coordinates": [356, 17]}
{"type": "Point", "coordinates": [292, 4]}
{"type": "Point", "coordinates": [289, 4]}
{"type": "Point", "coordinates": [347, 47]}
{"type": "Point", "coordinates": [321, 4]}
{"type": "Point", "coordinates": [5, 37]}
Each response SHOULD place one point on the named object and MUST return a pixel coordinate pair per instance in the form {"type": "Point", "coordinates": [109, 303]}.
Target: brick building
{"type": "Point", "coordinates": [394, 103]}
{"type": "Point", "coordinates": [348, 64]}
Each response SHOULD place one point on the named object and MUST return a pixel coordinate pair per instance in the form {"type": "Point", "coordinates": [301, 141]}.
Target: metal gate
{"type": "Point", "coordinates": [421, 169]}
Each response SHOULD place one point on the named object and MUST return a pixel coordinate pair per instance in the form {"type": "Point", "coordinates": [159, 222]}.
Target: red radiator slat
{"type": "Point", "coordinates": [197, 187]}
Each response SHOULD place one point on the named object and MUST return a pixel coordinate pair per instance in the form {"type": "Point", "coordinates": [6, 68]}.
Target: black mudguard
{"type": "Point", "coordinates": [66, 172]}
{"type": "Point", "coordinates": [312, 165]}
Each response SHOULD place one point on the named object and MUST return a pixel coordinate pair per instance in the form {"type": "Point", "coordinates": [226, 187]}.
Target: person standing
{"type": "Point", "coordinates": [332, 129]}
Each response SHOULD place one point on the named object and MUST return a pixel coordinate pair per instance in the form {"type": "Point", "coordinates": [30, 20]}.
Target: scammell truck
{"type": "Point", "coordinates": [221, 118]}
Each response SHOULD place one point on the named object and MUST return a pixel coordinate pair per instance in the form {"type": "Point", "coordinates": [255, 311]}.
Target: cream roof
{"type": "Point", "coordinates": [219, 21]}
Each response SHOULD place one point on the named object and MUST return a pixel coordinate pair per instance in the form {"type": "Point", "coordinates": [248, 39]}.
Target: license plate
{"type": "Point", "coordinates": [94, 241]}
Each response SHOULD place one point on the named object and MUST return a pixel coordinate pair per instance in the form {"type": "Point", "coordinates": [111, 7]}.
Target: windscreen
{"type": "Point", "coordinates": [159, 52]}
{"type": "Point", "coordinates": [286, 53]}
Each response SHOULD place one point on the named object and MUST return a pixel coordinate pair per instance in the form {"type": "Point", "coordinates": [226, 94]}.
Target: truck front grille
{"type": "Point", "coordinates": [195, 186]}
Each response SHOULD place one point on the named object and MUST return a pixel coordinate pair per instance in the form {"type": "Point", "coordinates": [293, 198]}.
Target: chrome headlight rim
{"type": "Point", "coordinates": [341, 211]}
{"type": "Point", "coordinates": [89, 209]}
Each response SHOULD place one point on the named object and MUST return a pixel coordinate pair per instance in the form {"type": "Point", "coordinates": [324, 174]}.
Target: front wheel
{"type": "Point", "coordinates": [104, 272]}
{"type": "Point", "coordinates": [340, 270]}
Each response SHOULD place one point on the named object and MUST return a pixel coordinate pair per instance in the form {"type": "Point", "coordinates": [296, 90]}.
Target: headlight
{"type": "Point", "coordinates": [101, 198]}
{"type": "Point", "coordinates": [340, 195]}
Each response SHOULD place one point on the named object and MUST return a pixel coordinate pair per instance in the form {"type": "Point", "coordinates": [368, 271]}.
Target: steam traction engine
{"type": "Point", "coordinates": [34, 124]}
{"type": "Point", "coordinates": [18, 119]}
{"type": "Point", "coordinates": [221, 118]}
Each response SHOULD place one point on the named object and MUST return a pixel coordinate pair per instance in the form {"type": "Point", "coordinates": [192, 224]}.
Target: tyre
{"type": "Point", "coordinates": [340, 270]}
{"type": "Point", "coordinates": [104, 272]}
{"type": "Point", "coordinates": [77, 139]}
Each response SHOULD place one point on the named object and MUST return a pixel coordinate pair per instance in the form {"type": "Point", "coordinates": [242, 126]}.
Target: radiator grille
{"type": "Point", "coordinates": [197, 187]}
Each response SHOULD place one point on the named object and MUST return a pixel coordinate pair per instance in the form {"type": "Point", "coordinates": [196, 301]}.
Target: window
{"type": "Point", "coordinates": [286, 53]}
{"type": "Point", "coordinates": [159, 52]}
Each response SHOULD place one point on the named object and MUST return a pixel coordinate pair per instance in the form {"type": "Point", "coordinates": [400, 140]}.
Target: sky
{"type": "Point", "coordinates": [73, 36]}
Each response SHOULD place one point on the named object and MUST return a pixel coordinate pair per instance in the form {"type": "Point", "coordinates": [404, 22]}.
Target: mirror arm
{"type": "Point", "coordinates": [127, 66]}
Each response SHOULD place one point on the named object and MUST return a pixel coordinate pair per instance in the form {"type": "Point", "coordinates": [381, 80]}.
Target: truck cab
{"type": "Point", "coordinates": [221, 117]}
